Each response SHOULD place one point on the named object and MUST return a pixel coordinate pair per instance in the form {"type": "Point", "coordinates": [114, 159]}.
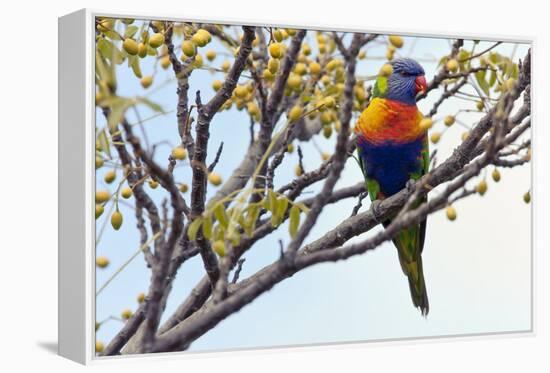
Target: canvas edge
{"type": "Point", "coordinates": [86, 348]}
{"type": "Point", "coordinates": [75, 187]}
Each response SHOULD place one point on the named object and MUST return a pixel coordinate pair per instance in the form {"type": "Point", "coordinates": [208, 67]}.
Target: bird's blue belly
{"type": "Point", "coordinates": [391, 164]}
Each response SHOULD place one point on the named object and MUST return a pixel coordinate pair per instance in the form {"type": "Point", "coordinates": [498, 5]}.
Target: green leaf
{"type": "Point", "coordinates": [492, 78]}
{"type": "Point", "coordinates": [272, 196]}
{"type": "Point", "coordinates": [207, 227]}
{"type": "Point", "coordinates": [251, 217]}
{"type": "Point", "coordinates": [109, 51]}
{"type": "Point", "coordinates": [133, 62]}
{"type": "Point", "coordinates": [302, 207]}
{"type": "Point", "coordinates": [112, 35]}
{"type": "Point", "coordinates": [150, 104]}
{"type": "Point", "coordinates": [101, 67]}
{"type": "Point", "coordinates": [219, 232]}
{"type": "Point", "coordinates": [194, 228]}
{"type": "Point", "coordinates": [130, 31]}
{"type": "Point", "coordinates": [278, 211]}
{"type": "Point", "coordinates": [282, 205]}
{"type": "Point", "coordinates": [118, 110]}
{"type": "Point", "coordinates": [221, 215]}
{"type": "Point", "coordinates": [480, 77]}
{"type": "Point", "coordinates": [294, 221]}
{"type": "Point", "coordinates": [509, 67]}
{"type": "Point", "coordinates": [103, 140]}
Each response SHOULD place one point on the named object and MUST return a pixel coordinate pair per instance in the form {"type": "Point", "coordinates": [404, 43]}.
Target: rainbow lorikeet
{"type": "Point", "coordinates": [393, 149]}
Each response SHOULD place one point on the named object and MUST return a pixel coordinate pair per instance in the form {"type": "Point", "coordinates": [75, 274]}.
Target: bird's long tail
{"type": "Point", "coordinates": [417, 285]}
{"type": "Point", "coordinates": [409, 249]}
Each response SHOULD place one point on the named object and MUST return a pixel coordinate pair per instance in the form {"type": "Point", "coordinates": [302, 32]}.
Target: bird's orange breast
{"type": "Point", "coordinates": [388, 120]}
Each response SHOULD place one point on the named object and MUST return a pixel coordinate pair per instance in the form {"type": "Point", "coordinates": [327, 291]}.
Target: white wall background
{"type": "Point", "coordinates": [29, 187]}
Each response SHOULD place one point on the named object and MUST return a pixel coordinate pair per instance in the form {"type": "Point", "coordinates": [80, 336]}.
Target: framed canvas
{"type": "Point", "coordinates": [226, 185]}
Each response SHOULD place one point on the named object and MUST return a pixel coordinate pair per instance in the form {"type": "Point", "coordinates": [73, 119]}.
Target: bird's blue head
{"type": "Point", "coordinates": [406, 81]}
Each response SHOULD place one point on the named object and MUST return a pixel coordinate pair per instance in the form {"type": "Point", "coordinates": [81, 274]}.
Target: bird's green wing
{"type": "Point", "coordinates": [410, 243]}
{"type": "Point", "coordinates": [380, 87]}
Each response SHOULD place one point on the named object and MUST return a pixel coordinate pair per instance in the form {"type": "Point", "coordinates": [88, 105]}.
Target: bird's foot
{"type": "Point", "coordinates": [410, 185]}
{"type": "Point", "coordinates": [375, 206]}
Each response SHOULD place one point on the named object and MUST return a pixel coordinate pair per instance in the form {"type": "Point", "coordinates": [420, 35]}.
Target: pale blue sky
{"type": "Point", "coordinates": [477, 268]}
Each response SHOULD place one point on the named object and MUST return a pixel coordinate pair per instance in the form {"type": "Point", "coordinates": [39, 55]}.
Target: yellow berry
{"type": "Point", "coordinates": [211, 55]}
{"type": "Point", "coordinates": [465, 135]}
{"type": "Point", "coordinates": [327, 131]}
{"type": "Point", "coordinates": [298, 170]}
{"type": "Point", "coordinates": [326, 118]}
{"type": "Point", "coordinates": [362, 55]}
{"type": "Point", "coordinates": [276, 50]}
{"type": "Point", "coordinates": [329, 102]}
{"type": "Point", "coordinates": [449, 120]}
{"type": "Point", "coordinates": [314, 68]}
{"type": "Point", "coordinates": [217, 85]}
{"type": "Point", "coordinates": [273, 65]}
{"type": "Point", "coordinates": [126, 192]}
{"type": "Point", "coordinates": [188, 47]}
{"type": "Point", "coordinates": [146, 81]}
{"type": "Point", "coordinates": [396, 41]}
{"type": "Point", "coordinates": [184, 188]}
{"type": "Point", "coordinates": [130, 46]}
{"type": "Point", "coordinates": [101, 261]}
{"type": "Point", "coordinates": [481, 188]}
{"type": "Point", "coordinates": [219, 247]}
{"type": "Point", "coordinates": [106, 25]}
{"type": "Point", "coordinates": [360, 93]}
{"type": "Point", "coordinates": [99, 347]}
{"type": "Point", "coordinates": [253, 109]}
{"type": "Point", "coordinates": [325, 156]}
{"type": "Point", "coordinates": [290, 148]}
{"type": "Point", "coordinates": [332, 64]}
{"type": "Point", "coordinates": [198, 61]}
{"type": "Point", "coordinates": [306, 49]}
{"type": "Point", "coordinates": [496, 175]}
{"type": "Point", "coordinates": [386, 70]}
{"type": "Point", "coordinates": [110, 176]}
{"type": "Point", "coordinates": [295, 113]}
{"type": "Point", "coordinates": [99, 210]}
{"type": "Point", "coordinates": [200, 38]}
{"type": "Point", "coordinates": [241, 91]}
{"type": "Point", "coordinates": [179, 153]}
{"type": "Point", "coordinates": [116, 220]}
{"type": "Point", "coordinates": [102, 196]}
{"type": "Point", "coordinates": [98, 162]}
{"type": "Point", "coordinates": [142, 50]}
{"type": "Point", "coordinates": [451, 213]}
{"type": "Point", "coordinates": [452, 65]}
{"type": "Point", "coordinates": [126, 314]}
{"type": "Point", "coordinates": [214, 178]}
{"type": "Point", "coordinates": [226, 65]}
{"type": "Point", "coordinates": [527, 197]}
{"type": "Point", "coordinates": [278, 35]}
{"type": "Point", "coordinates": [480, 106]}
{"type": "Point", "coordinates": [140, 298]}
{"type": "Point", "coordinates": [426, 123]}
{"type": "Point", "coordinates": [165, 62]}
{"type": "Point", "coordinates": [153, 184]}
{"type": "Point", "coordinates": [267, 75]}
{"type": "Point", "coordinates": [156, 40]}
{"type": "Point", "coordinates": [435, 137]}
{"type": "Point", "coordinates": [294, 81]}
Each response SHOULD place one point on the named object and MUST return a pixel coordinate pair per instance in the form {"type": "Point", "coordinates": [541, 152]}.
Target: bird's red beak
{"type": "Point", "coordinates": [420, 83]}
